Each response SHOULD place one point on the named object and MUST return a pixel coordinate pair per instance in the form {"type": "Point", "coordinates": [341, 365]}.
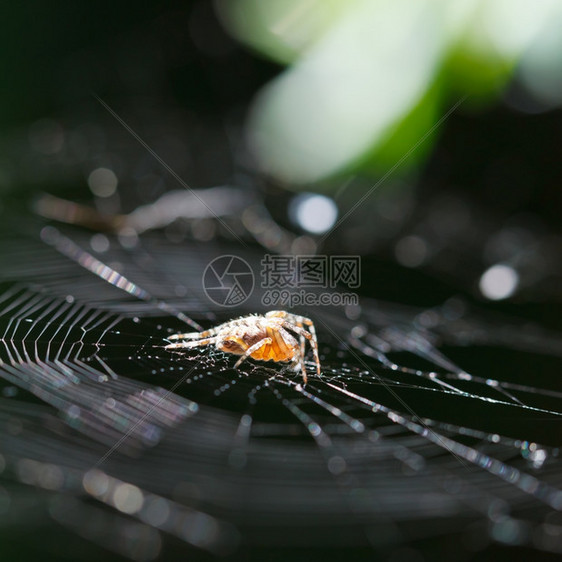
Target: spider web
{"type": "Point", "coordinates": [441, 421]}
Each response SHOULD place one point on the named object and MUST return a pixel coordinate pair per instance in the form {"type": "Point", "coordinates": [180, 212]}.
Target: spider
{"type": "Point", "coordinates": [264, 337]}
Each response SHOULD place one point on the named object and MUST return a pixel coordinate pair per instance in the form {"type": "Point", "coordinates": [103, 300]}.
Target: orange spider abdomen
{"type": "Point", "coordinates": [277, 350]}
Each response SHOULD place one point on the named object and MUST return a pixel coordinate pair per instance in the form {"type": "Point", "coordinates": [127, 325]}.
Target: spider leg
{"type": "Point", "coordinates": [297, 329]}
{"type": "Point", "coordinates": [195, 335]}
{"type": "Point", "coordinates": [291, 318]}
{"type": "Point", "coordinates": [251, 350]}
{"type": "Point", "coordinates": [310, 336]}
{"type": "Point", "coordinates": [298, 356]}
{"type": "Point", "coordinates": [191, 344]}
{"type": "Point", "coordinates": [300, 320]}
{"type": "Point", "coordinates": [301, 337]}
{"type": "Point", "coordinates": [313, 341]}
{"type": "Point", "coordinates": [298, 363]}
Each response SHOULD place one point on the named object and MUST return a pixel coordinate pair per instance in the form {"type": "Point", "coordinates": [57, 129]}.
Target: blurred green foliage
{"type": "Point", "coordinates": [366, 80]}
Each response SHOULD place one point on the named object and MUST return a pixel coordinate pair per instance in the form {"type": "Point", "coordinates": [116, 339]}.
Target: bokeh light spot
{"type": "Point", "coordinates": [102, 182]}
{"type": "Point", "coordinates": [499, 282]}
{"type": "Point", "coordinates": [411, 251]}
{"type": "Point", "coordinates": [313, 212]}
{"type": "Point", "coordinates": [128, 498]}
